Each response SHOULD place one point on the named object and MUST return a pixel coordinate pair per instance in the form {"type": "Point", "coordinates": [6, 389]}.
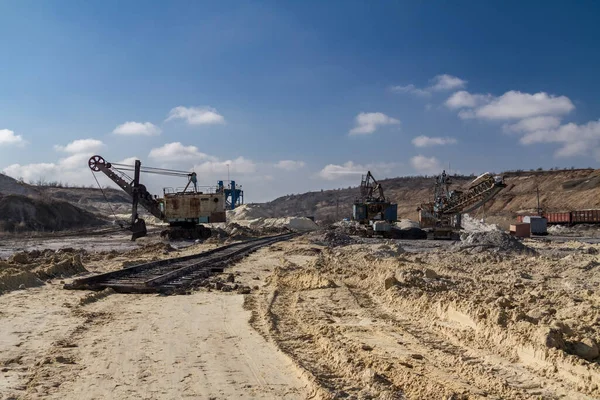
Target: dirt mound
{"type": "Point", "coordinates": [248, 212]}
{"type": "Point", "coordinates": [492, 240]}
{"type": "Point", "coordinates": [470, 224]}
{"type": "Point", "coordinates": [336, 238]}
{"type": "Point", "coordinates": [9, 185]}
{"type": "Point", "coordinates": [29, 269]}
{"type": "Point", "coordinates": [21, 213]}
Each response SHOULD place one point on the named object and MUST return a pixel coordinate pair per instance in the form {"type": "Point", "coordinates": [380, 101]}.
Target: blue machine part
{"type": "Point", "coordinates": [359, 212]}
{"type": "Point", "coordinates": [391, 213]}
{"type": "Point", "coordinates": [234, 195]}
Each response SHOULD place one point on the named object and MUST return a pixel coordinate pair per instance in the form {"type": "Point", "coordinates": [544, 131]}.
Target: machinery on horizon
{"type": "Point", "coordinates": [372, 208]}
{"type": "Point", "coordinates": [184, 209]}
{"type": "Point", "coordinates": [443, 216]}
{"type": "Point", "coordinates": [234, 195]}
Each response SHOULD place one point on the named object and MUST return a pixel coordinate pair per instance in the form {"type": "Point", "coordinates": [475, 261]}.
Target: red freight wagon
{"type": "Point", "coordinates": [520, 219]}
{"type": "Point", "coordinates": [585, 217]}
{"type": "Point", "coordinates": [558, 217]}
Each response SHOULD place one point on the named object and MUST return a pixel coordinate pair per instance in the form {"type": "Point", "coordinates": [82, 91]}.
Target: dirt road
{"type": "Point", "coordinates": [137, 347]}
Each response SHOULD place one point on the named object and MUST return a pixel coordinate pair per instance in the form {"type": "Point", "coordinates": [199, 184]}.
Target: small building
{"type": "Point", "coordinates": [539, 225]}
{"type": "Point", "coordinates": [521, 230]}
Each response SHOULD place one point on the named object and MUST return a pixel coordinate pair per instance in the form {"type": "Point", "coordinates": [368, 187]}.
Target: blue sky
{"type": "Point", "coordinates": [297, 96]}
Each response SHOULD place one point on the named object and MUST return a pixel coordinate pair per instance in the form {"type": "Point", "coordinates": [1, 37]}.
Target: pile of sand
{"type": "Point", "coordinates": [407, 224]}
{"type": "Point", "coordinates": [248, 212]}
{"type": "Point", "coordinates": [334, 238]}
{"type": "Point", "coordinates": [20, 213]}
{"type": "Point", "coordinates": [261, 220]}
{"type": "Point", "coordinates": [296, 224]}
{"type": "Point", "coordinates": [470, 224]}
{"type": "Point", "coordinates": [28, 269]}
{"type": "Point", "coordinates": [494, 240]}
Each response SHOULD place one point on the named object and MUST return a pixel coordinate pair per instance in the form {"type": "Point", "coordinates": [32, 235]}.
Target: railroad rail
{"type": "Point", "coordinates": [174, 274]}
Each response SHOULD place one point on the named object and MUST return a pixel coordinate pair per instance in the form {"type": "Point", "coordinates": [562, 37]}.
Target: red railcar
{"type": "Point", "coordinates": [585, 217]}
{"type": "Point", "coordinates": [558, 218]}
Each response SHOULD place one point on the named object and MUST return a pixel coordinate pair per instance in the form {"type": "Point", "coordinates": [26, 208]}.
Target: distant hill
{"type": "Point", "coordinates": [560, 190]}
{"type": "Point", "coordinates": [26, 207]}
{"type": "Point", "coordinates": [9, 185]}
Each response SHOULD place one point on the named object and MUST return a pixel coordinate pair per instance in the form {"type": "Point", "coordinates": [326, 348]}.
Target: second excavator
{"type": "Point", "coordinates": [442, 217]}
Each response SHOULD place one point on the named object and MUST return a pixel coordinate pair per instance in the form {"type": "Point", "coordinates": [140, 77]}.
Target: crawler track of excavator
{"type": "Point", "coordinates": [175, 274]}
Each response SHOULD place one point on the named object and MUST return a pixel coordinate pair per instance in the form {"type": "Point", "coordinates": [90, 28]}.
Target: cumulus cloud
{"type": "Point", "coordinates": [425, 141]}
{"type": "Point", "coordinates": [425, 165]}
{"type": "Point", "coordinates": [575, 140]}
{"type": "Point", "coordinates": [32, 172]}
{"type": "Point", "coordinates": [438, 83]}
{"type": "Point", "coordinates": [446, 82]}
{"type": "Point", "coordinates": [410, 89]}
{"type": "Point", "coordinates": [8, 137]}
{"type": "Point", "coordinates": [290, 165]}
{"type": "Point", "coordinates": [367, 123]}
{"type": "Point", "coordinates": [237, 166]}
{"type": "Point", "coordinates": [537, 117]}
{"type": "Point", "coordinates": [353, 171]}
{"type": "Point", "coordinates": [137, 128]}
{"type": "Point", "coordinates": [464, 99]}
{"type": "Point", "coordinates": [511, 105]}
{"type": "Point", "coordinates": [176, 151]}
{"type": "Point", "coordinates": [514, 105]}
{"type": "Point", "coordinates": [196, 115]}
{"type": "Point", "coordinates": [81, 146]}
{"type": "Point", "coordinates": [533, 124]}
{"type": "Point", "coordinates": [71, 168]}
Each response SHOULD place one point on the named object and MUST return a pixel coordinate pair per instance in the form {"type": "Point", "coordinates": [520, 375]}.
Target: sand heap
{"type": "Point", "coordinates": [470, 224]}
{"type": "Point", "coordinates": [28, 269]}
{"type": "Point", "coordinates": [258, 218]}
{"type": "Point", "coordinates": [494, 240]}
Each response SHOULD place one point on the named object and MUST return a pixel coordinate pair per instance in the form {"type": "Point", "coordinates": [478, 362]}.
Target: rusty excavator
{"type": "Point", "coordinates": [185, 210]}
{"type": "Point", "coordinates": [442, 217]}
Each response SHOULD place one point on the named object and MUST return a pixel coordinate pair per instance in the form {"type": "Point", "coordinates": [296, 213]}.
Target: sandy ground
{"type": "Point", "coordinates": [374, 319]}
{"type": "Point", "coordinates": [138, 347]}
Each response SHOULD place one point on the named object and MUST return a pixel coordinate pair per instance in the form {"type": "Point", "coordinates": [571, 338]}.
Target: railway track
{"type": "Point", "coordinates": [174, 274]}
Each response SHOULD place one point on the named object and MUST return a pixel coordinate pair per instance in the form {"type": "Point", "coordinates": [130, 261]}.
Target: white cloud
{"type": "Point", "coordinates": [351, 171]}
{"type": "Point", "coordinates": [426, 165]}
{"type": "Point", "coordinates": [196, 115]}
{"type": "Point", "coordinates": [410, 89]}
{"type": "Point", "coordinates": [437, 84]}
{"type": "Point", "coordinates": [137, 128]}
{"type": "Point", "coordinates": [176, 151]}
{"type": "Point", "coordinates": [31, 172]}
{"type": "Point", "coordinates": [425, 141]}
{"type": "Point", "coordinates": [238, 166]}
{"type": "Point", "coordinates": [81, 146]}
{"type": "Point", "coordinates": [464, 99]}
{"type": "Point", "coordinates": [446, 82]}
{"type": "Point", "coordinates": [533, 124]}
{"type": "Point", "coordinates": [367, 123]}
{"type": "Point", "coordinates": [8, 137]}
{"type": "Point", "coordinates": [511, 105]}
{"type": "Point", "coordinates": [514, 105]}
{"type": "Point", "coordinates": [576, 140]}
{"type": "Point", "coordinates": [536, 116]}
{"type": "Point", "coordinates": [290, 165]}
{"type": "Point", "coordinates": [128, 161]}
